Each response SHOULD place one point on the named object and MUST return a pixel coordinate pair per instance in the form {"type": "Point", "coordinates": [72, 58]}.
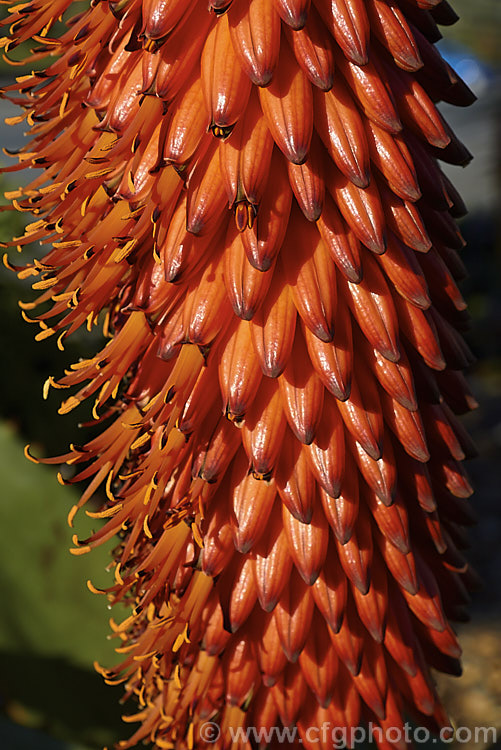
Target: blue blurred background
{"type": "Point", "coordinates": [52, 628]}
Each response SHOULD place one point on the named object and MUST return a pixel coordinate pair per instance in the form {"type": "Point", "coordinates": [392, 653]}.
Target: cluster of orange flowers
{"type": "Point", "coordinates": [248, 198]}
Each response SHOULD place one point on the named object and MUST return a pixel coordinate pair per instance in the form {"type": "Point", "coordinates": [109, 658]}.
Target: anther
{"type": "Point", "coordinates": [245, 214]}
{"type": "Point", "coordinates": [220, 132]}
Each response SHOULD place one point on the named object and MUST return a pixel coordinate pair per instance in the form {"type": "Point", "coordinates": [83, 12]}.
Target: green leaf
{"type": "Point", "coordinates": [52, 626]}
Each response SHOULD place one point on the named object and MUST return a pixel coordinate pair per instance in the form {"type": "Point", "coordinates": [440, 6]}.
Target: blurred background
{"type": "Point", "coordinates": [52, 628]}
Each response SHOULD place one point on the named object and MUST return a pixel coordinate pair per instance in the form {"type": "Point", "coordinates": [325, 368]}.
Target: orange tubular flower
{"type": "Point", "coordinates": [248, 197]}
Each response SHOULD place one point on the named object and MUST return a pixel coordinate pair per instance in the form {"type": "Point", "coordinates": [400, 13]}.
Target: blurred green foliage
{"type": "Point", "coordinates": [479, 27]}
{"type": "Point", "coordinates": [52, 627]}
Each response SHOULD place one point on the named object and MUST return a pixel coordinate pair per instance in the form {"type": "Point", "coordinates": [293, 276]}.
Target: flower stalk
{"type": "Point", "coordinates": [248, 200]}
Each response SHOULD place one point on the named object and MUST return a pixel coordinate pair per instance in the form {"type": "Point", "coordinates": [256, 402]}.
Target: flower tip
{"type": "Point", "coordinates": [220, 7]}
{"type": "Point", "coordinates": [244, 545]}
{"type": "Point", "coordinates": [262, 78]}
{"type": "Point", "coordinates": [76, 551]}
{"type": "Point", "coordinates": [269, 605]}
{"type": "Point", "coordinates": [8, 264]}
{"type": "Point", "coordinates": [71, 515]}
{"type": "Point", "coordinates": [311, 578]}
{"type": "Point", "coordinates": [378, 244]}
{"type": "Point", "coordinates": [297, 154]}
{"type": "Point", "coordinates": [93, 588]}
{"type": "Point", "coordinates": [296, 21]}
{"type": "Point", "coordinates": [28, 455]}
{"type": "Point", "coordinates": [324, 332]}
{"type": "Point", "coordinates": [361, 179]}
{"type": "Point", "coordinates": [359, 56]}
{"type": "Point", "coordinates": [391, 353]}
